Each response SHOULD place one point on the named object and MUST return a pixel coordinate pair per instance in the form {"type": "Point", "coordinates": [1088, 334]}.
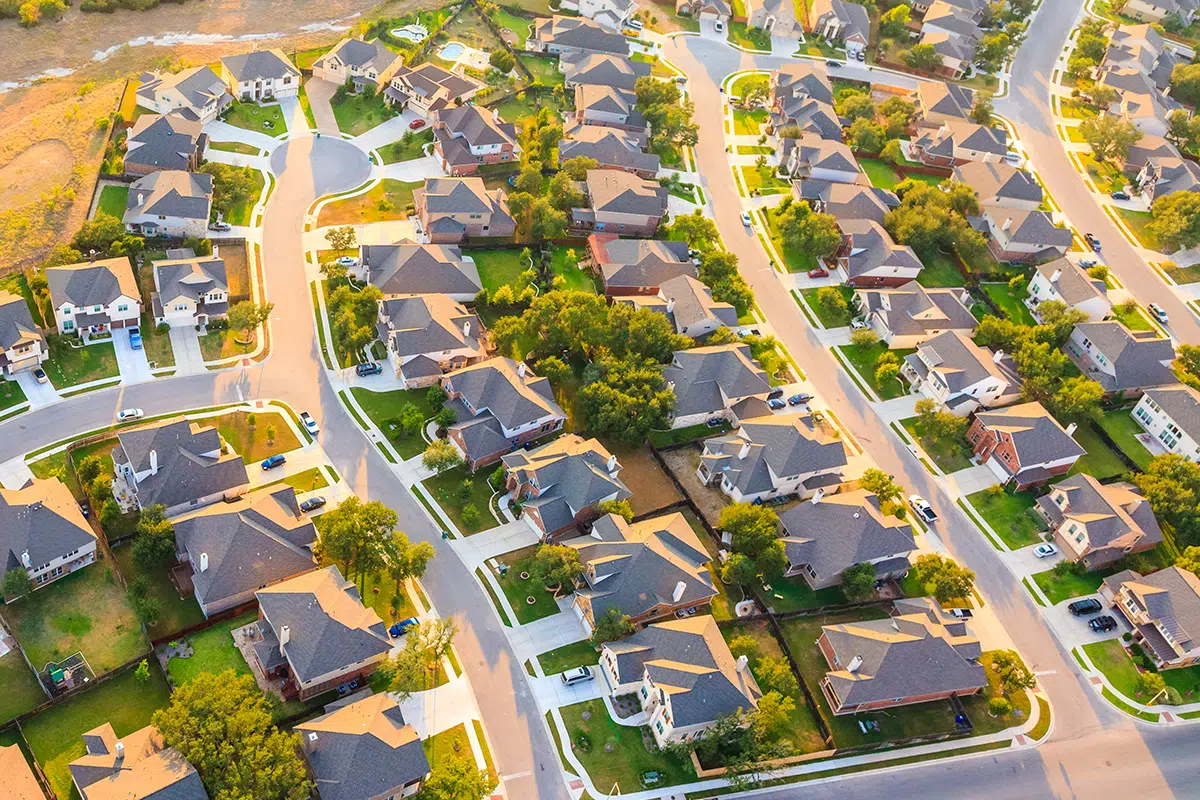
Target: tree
{"type": "Point", "coordinates": [154, 542]}
{"type": "Point", "coordinates": [981, 108]}
{"type": "Point", "coordinates": [612, 626]}
{"type": "Point", "coordinates": [751, 527]}
{"type": "Point", "coordinates": [1014, 675]}
{"type": "Point", "coordinates": [1185, 83]}
{"type": "Point", "coordinates": [146, 606]}
{"type": "Point", "coordinates": [142, 673]}
{"type": "Point", "coordinates": [1188, 560]}
{"type": "Point", "coordinates": [774, 675]}
{"type": "Point", "coordinates": [1078, 398]}
{"type": "Point", "coordinates": [833, 301]}
{"type": "Point", "coordinates": [739, 569]}
{"type": "Point", "coordinates": [938, 424]}
{"type": "Point", "coordinates": [621, 508]}
{"type": "Point", "coordinates": [857, 106]}
{"type": "Point", "coordinates": [456, 777]}
{"type": "Point", "coordinates": [892, 152]}
{"type": "Point", "coordinates": [894, 21]}
{"type": "Point", "coordinates": [435, 395]}
{"type": "Point", "coordinates": [744, 645]}
{"type": "Point", "coordinates": [1109, 136]}
{"type": "Point", "coordinates": [999, 707]}
{"type": "Point", "coordinates": [445, 417]}
{"type": "Point", "coordinates": [97, 234]}
{"type": "Point", "coordinates": [441, 455]}
{"type": "Point", "coordinates": [406, 559]}
{"type": "Point", "coordinates": [858, 581]}
{"type": "Point", "coordinates": [697, 230]}
{"type": "Point", "coordinates": [866, 135]}
{"type": "Point", "coordinates": [17, 583]}
{"type": "Point", "coordinates": [922, 57]}
{"type": "Point", "coordinates": [248, 315]}
{"type": "Point", "coordinates": [578, 167]}
{"type": "Point", "coordinates": [1042, 366]}
{"type": "Point", "coordinates": [88, 470]}
{"type": "Point", "coordinates": [502, 61]}
{"type": "Point", "coordinates": [886, 373]}
{"type": "Point", "coordinates": [992, 51]}
{"type": "Point", "coordinates": [556, 565]}
{"type": "Point", "coordinates": [942, 578]}
{"type": "Point", "coordinates": [1176, 220]}
{"type": "Point", "coordinates": [1172, 485]}
{"type": "Point", "coordinates": [342, 239]}
{"type": "Point", "coordinates": [864, 337]}
{"type": "Point", "coordinates": [880, 484]}
{"type": "Point", "coordinates": [1150, 684]}
{"type": "Point", "coordinates": [232, 186]}
{"type": "Point", "coordinates": [1183, 130]}
{"type": "Point", "coordinates": [358, 536]}
{"type": "Point", "coordinates": [272, 431]}
{"type": "Point", "coordinates": [562, 192]}
{"type": "Point", "coordinates": [221, 725]}
{"type": "Point", "coordinates": [625, 398]}
{"type": "Point", "coordinates": [773, 717]}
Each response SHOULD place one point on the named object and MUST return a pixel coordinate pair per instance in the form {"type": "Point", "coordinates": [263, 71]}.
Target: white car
{"type": "Point", "coordinates": [746, 219]}
{"type": "Point", "coordinates": [347, 261]}
{"type": "Point", "coordinates": [719, 26]}
{"type": "Point", "coordinates": [310, 424]}
{"type": "Point", "coordinates": [859, 324]}
{"type": "Point", "coordinates": [921, 506]}
{"type": "Point", "coordinates": [1159, 313]}
{"type": "Point", "coordinates": [125, 415]}
{"type": "Point", "coordinates": [1045, 550]}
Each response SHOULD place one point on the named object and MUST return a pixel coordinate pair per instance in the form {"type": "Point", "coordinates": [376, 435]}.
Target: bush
{"type": "Point", "coordinates": [470, 515]}
{"type": "Point", "coordinates": [999, 706]}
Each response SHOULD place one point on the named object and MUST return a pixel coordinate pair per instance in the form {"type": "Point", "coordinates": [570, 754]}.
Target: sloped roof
{"type": "Point", "coordinates": [357, 53]}
{"type": "Point", "coordinates": [191, 278]}
{"type": "Point", "coordinates": [497, 388]}
{"type": "Point", "coordinates": [939, 100]}
{"type": "Point", "coordinates": [603, 69]}
{"type": "Point", "coordinates": [478, 127]}
{"type": "Point", "coordinates": [1182, 404]}
{"type": "Point", "coordinates": [959, 361]}
{"type": "Point", "coordinates": [581, 33]}
{"type": "Point", "coordinates": [842, 530]}
{"type": "Point", "coordinates": [846, 201]}
{"type": "Point", "coordinates": [1170, 597]}
{"type": "Point", "coordinates": [912, 309]}
{"type": "Point", "coordinates": [171, 193]}
{"type": "Point", "coordinates": [435, 86]}
{"type": "Point", "coordinates": [162, 142]}
{"type": "Point", "coordinates": [1036, 436]}
{"type": "Point", "coordinates": [197, 85]}
{"type": "Point", "coordinates": [872, 248]}
{"type": "Point", "coordinates": [92, 283]}
{"type": "Point", "coordinates": [609, 147]}
{"type": "Point", "coordinates": [409, 268]}
{"type": "Point", "coordinates": [777, 447]}
{"type": "Point", "coordinates": [1073, 283]}
{"type": "Point", "coordinates": [614, 191]}
{"type": "Point", "coordinates": [999, 180]}
{"type": "Point", "coordinates": [16, 323]}
{"type": "Point", "coordinates": [41, 519]}
{"type": "Point", "coordinates": [19, 782]}
{"type": "Point", "coordinates": [571, 473]}
{"type": "Point", "coordinates": [1027, 227]}
{"type": "Point", "coordinates": [146, 770]}
{"type": "Point", "coordinates": [686, 302]}
{"type": "Point", "coordinates": [639, 262]}
{"type": "Point", "coordinates": [803, 77]}
{"type": "Point", "coordinates": [950, 18]}
{"type": "Point", "coordinates": [418, 324]}
{"type": "Point", "coordinates": [265, 64]}
{"type": "Point", "coordinates": [704, 378]}
{"type": "Point", "coordinates": [1116, 515]}
{"type": "Point", "coordinates": [184, 472]}
{"type": "Point", "coordinates": [1136, 357]}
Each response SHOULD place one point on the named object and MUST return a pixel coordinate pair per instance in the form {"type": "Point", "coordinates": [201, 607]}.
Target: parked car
{"type": "Point", "coordinates": [636, 24]}
{"type": "Point", "coordinates": [1159, 313]}
{"type": "Point", "coordinates": [776, 404]}
{"type": "Point", "coordinates": [798, 399]}
{"type": "Point", "coordinates": [1045, 550]}
{"type": "Point", "coordinates": [819, 272]}
{"type": "Point", "coordinates": [135, 337]}
{"type": "Point", "coordinates": [127, 414]}
{"type": "Point", "coordinates": [416, 124]}
{"type": "Point", "coordinates": [220, 226]}
{"type": "Point", "coordinates": [961, 613]}
{"type": "Point", "coordinates": [921, 506]}
{"type": "Point", "coordinates": [39, 375]}
{"type": "Point", "coordinates": [714, 422]}
{"type": "Point", "coordinates": [368, 368]}
{"type": "Point", "coordinates": [403, 626]}
{"type": "Point", "coordinates": [744, 332]}
{"type": "Point", "coordinates": [1088, 262]}
{"type": "Point", "coordinates": [860, 55]}
{"type": "Point", "coordinates": [746, 219]}
{"type": "Point", "coordinates": [1102, 624]}
{"type": "Point", "coordinates": [271, 462]}
{"type": "Point", "coordinates": [1120, 195]}
{"type": "Point", "coordinates": [719, 27]}
{"type": "Point", "coordinates": [859, 325]}
{"type": "Point", "coordinates": [347, 261]}
{"type": "Point", "coordinates": [1092, 241]}
{"type": "Point", "coordinates": [1082, 608]}
{"type": "Point", "coordinates": [577, 675]}
{"type": "Point", "coordinates": [775, 393]}
{"type": "Point", "coordinates": [310, 424]}
{"type": "Point", "coordinates": [832, 63]}
{"type": "Point", "coordinates": [312, 504]}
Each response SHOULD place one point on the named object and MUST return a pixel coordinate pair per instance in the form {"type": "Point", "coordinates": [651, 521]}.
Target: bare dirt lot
{"type": "Point", "coordinates": [683, 462]}
{"type": "Point", "coordinates": [652, 487]}
{"type": "Point", "coordinates": [25, 178]}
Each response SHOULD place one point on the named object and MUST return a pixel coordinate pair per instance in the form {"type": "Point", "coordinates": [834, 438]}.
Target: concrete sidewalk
{"type": "Point", "coordinates": [474, 550]}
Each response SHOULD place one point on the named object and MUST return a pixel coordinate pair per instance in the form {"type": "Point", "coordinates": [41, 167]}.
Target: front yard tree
{"type": "Point", "coordinates": [981, 108]}
{"type": "Point", "coordinates": [406, 559]}
{"type": "Point", "coordinates": [697, 230]}
{"type": "Point", "coordinates": [922, 57]}
{"type": "Point", "coordinates": [457, 778]}
{"type": "Point", "coordinates": [614, 625]}
{"type": "Point", "coordinates": [342, 239]}
{"type": "Point", "coordinates": [1176, 220]}
{"type": "Point", "coordinates": [357, 535]}
{"type": "Point", "coordinates": [938, 424]}
{"type": "Point", "coordinates": [621, 508]}
{"type": "Point", "coordinates": [1110, 137]}
{"type": "Point", "coordinates": [858, 582]}
{"type": "Point", "coordinates": [232, 186]}
{"type": "Point", "coordinates": [943, 578]}
{"type": "Point", "coordinates": [248, 315]}
{"type": "Point", "coordinates": [16, 584]}
{"type": "Point", "coordinates": [441, 455]}
{"type": "Point", "coordinates": [1014, 675]}
{"type": "Point", "coordinates": [879, 483]}
{"type": "Point", "coordinates": [833, 301]}
{"type": "Point", "coordinates": [556, 565]}
{"type": "Point", "coordinates": [992, 51]}
{"type": "Point", "coordinates": [864, 337]}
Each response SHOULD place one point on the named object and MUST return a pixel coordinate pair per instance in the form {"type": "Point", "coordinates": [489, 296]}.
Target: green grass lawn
{"type": "Point", "coordinates": [356, 114]}
{"type": "Point", "coordinates": [795, 259]}
{"type": "Point", "coordinates": [940, 271]}
{"type": "Point", "coordinates": [235, 147]}
{"type": "Point", "coordinates": [159, 352]}
{"type": "Point", "coordinates": [881, 174]}
{"type": "Point", "coordinates": [400, 150]}
{"type": "Point", "coordinates": [748, 123]}
{"type": "Point", "coordinates": [240, 214]}
{"type": "Point", "coordinates": [748, 82]}
{"type": "Point", "coordinates": [11, 394]}
{"type": "Point", "coordinates": [219, 345]}
{"type": "Point", "coordinates": [764, 180]}
{"type": "Point", "coordinates": [446, 490]}
{"type": "Point", "coordinates": [500, 268]}
{"type": "Point", "coordinates": [1123, 429]}
{"type": "Point", "coordinates": [977, 705]}
{"type": "Point", "coordinates": [544, 70]}
{"type": "Point", "coordinates": [518, 25]}
{"type": "Point", "coordinates": [22, 692]}
{"type": "Point", "coordinates": [743, 35]}
{"type": "Point", "coordinates": [112, 201]}
{"type": "Point", "coordinates": [252, 445]}
{"type": "Point", "coordinates": [254, 117]}
{"type": "Point", "coordinates": [1134, 319]}
{"type": "Point", "coordinates": [561, 659]}
{"type": "Point", "coordinates": [515, 109]}
{"type": "Point", "coordinates": [177, 612]}
{"type": "Point", "coordinates": [1138, 222]}
{"type": "Point", "coordinates": [629, 758]}
{"type": "Point", "coordinates": [1011, 303]}
{"type": "Point", "coordinates": [950, 455]}
{"type": "Point", "coordinates": [1011, 517]}
{"type": "Point", "coordinates": [578, 280]}
{"type": "Point", "coordinates": [1110, 658]}
{"type": "Point", "coordinates": [728, 596]}
{"type": "Point", "coordinates": [1107, 176]}
{"type": "Point", "coordinates": [1183, 274]}
{"type": "Point", "coordinates": [1101, 462]}
{"type": "Point", "coordinates": [383, 408]}
{"type": "Point", "coordinates": [518, 590]}
{"type": "Point", "coordinates": [389, 199]}
{"type": "Point", "coordinates": [864, 358]}
{"type": "Point", "coordinates": [308, 481]}
{"type": "Point", "coordinates": [55, 735]}
{"type": "Point", "coordinates": [793, 594]}
{"type": "Point", "coordinates": [453, 743]}
{"type": "Point", "coordinates": [754, 150]}
{"type": "Point", "coordinates": [1063, 587]}
{"type": "Point", "coordinates": [69, 366]}
{"type": "Point", "coordinates": [214, 651]}
{"type": "Point", "coordinates": [690, 433]}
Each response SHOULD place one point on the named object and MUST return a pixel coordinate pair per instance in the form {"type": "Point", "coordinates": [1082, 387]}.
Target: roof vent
{"type": "Point", "coordinates": [678, 593]}
{"type": "Point", "coordinates": [120, 750]}
{"type": "Point", "coordinates": [854, 664]}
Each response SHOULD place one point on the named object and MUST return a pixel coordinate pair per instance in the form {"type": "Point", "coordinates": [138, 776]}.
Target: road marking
{"type": "Point", "coordinates": [1046, 672]}
{"type": "Point", "coordinates": [516, 775]}
{"type": "Point", "coordinates": [241, 397]}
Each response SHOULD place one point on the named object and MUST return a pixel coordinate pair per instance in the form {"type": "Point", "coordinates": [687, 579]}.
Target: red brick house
{"type": "Point", "coordinates": [1023, 445]}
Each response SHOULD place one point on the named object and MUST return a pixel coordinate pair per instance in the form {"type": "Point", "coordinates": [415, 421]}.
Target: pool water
{"type": "Point", "coordinates": [451, 52]}
{"type": "Point", "coordinates": [414, 33]}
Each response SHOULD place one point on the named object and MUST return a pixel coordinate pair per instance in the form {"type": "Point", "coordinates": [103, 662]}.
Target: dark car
{"type": "Point", "coordinates": [776, 403]}
{"type": "Point", "coordinates": [273, 461]}
{"type": "Point", "coordinates": [797, 399]}
{"type": "Point", "coordinates": [368, 368]}
{"type": "Point", "coordinates": [775, 393]}
{"type": "Point", "coordinates": [312, 503]}
{"type": "Point", "coordinates": [714, 422]}
{"type": "Point", "coordinates": [1120, 195]}
{"type": "Point", "coordinates": [403, 626]}
{"type": "Point", "coordinates": [1092, 241]}
{"type": "Point", "coordinates": [833, 63]}
{"type": "Point", "coordinates": [1082, 608]}
{"type": "Point", "coordinates": [1102, 624]}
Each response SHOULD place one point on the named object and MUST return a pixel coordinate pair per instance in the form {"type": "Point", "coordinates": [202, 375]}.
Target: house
{"type": "Point", "coordinates": [919, 655]}
{"type": "Point", "coordinates": [648, 570]}
{"type": "Point", "coordinates": [452, 210]}
{"type": "Point", "coordinates": [829, 534]}
{"type": "Point", "coordinates": [684, 677]}
{"type": "Point", "coordinates": [1023, 445]}
{"type": "Point", "coordinates": [428, 88]}
{"type": "Point", "coordinates": [943, 17]}
{"type": "Point", "coordinates": [812, 158]}
{"type": "Point", "coordinates": [1163, 609]}
{"type": "Point", "coordinates": [164, 142]}
{"type": "Point", "coordinates": [559, 483]}
{"type": "Point", "coordinates": [612, 14]}
{"type": "Point", "coordinates": [1143, 48]}
{"type": "Point", "coordinates": [610, 148]}
{"type": "Point", "coordinates": [845, 201]}
{"type": "Point", "coordinates": [189, 290]}
{"type": "Point", "coordinates": [1159, 10]}
{"type": "Point", "coordinates": [601, 69]}
{"type": "Point", "coordinates": [1017, 234]}
{"type": "Point", "coordinates": [197, 94]}
{"type": "Point", "coordinates": [1162, 176]}
{"type": "Point", "coordinates": [1138, 99]}
{"type": "Point", "coordinates": [1068, 283]}
{"type": "Point", "coordinates": [561, 35]}
{"type": "Point", "coordinates": [177, 464]}
{"type": "Point", "coordinates": [363, 63]}
{"type": "Point", "coordinates": [974, 9]}
{"type": "Point", "coordinates": [607, 105]}
{"type": "Point", "coordinates": [170, 203]}
{"type": "Point", "coordinates": [957, 52]}
{"type": "Point", "coordinates": [315, 633]}
{"type": "Point", "coordinates": [233, 549]}
{"type": "Point", "coordinates": [362, 748]}
{"type": "Point", "coordinates": [1171, 415]}
{"type": "Point", "coordinates": [22, 346]}
{"type": "Point", "coordinates": [19, 781]}
{"type": "Point", "coordinates": [1122, 360]}
{"type": "Point", "coordinates": [777, 17]}
{"type": "Point", "coordinates": [712, 382]}
{"type": "Point", "coordinates": [843, 22]}
{"type": "Point", "coordinates": [465, 137]}
{"type": "Point", "coordinates": [619, 202]}
{"type": "Point", "coordinates": [909, 314]}
{"type": "Point", "coordinates": [1000, 184]}
{"type": "Point", "coordinates": [137, 767]}
{"type": "Point", "coordinates": [1143, 150]}
{"type": "Point", "coordinates": [774, 456]}
{"type": "Point", "coordinates": [94, 297]}
{"type": "Point", "coordinates": [801, 80]}
{"type": "Point", "coordinates": [938, 101]}
{"type": "Point", "coordinates": [43, 532]}
{"type": "Point", "coordinates": [810, 116]}
{"type": "Point", "coordinates": [261, 76]}
{"type": "Point", "coordinates": [637, 266]}
{"type": "Point", "coordinates": [410, 268]}
{"type": "Point", "coordinates": [712, 10]}
{"type": "Point", "coordinates": [960, 375]}
{"type": "Point", "coordinates": [1096, 524]}
{"type": "Point", "coordinates": [428, 335]}
{"type": "Point", "coordinates": [869, 257]}
{"type": "Point", "coordinates": [501, 405]}
{"type": "Point", "coordinates": [957, 142]}
{"type": "Point", "coordinates": [689, 305]}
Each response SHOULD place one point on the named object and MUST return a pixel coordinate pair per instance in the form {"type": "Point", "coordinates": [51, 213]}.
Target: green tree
{"type": "Point", "coordinates": [697, 230]}
{"type": "Point", "coordinates": [856, 106]}
{"type": "Point", "coordinates": [97, 234]}
{"type": "Point", "coordinates": [502, 61]}
{"type": "Point", "coordinates": [774, 675]}
{"type": "Point", "coordinates": [435, 395]}
{"type": "Point", "coordinates": [414, 668]}
{"type": "Point", "coordinates": [1183, 130]}
{"type": "Point", "coordinates": [154, 541]}
{"type": "Point", "coordinates": [88, 470]}
{"type": "Point", "coordinates": [744, 645]}
{"type": "Point", "coordinates": [411, 419]}
{"type": "Point", "coordinates": [992, 51]}
{"type": "Point", "coordinates": [922, 57]}
{"type": "Point", "coordinates": [1176, 220]}
{"type": "Point", "coordinates": [577, 167]}
{"type": "Point", "coordinates": [981, 108]}
{"type": "Point", "coordinates": [1172, 485]}
{"type": "Point", "coordinates": [342, 239]}
{"type": "Point", "coordinates": [739, 569]}
{"type": "Point", "coordinates": [833, 301]}
{"type": "Point", "coordinates": [1185, 83]}
{"type": "Point", "coordinates": [866, 135]}
{"type": "Point", "coordinates": [406, 559]}
{"type": "Point", "coordinates": [864, 337]}
{"type": "Point", "coordinates": [1110, 137]}
{"type": "Point", "coordinates": [1149, 685]}
{"type": "Point", "coordinates": [773, 717]}
{"type": "Point", "coordinates": [894, 21]}
{"type": "Point", "coordinates": [440, 456]}
{"type": "Point", "coordinates": [1014, 675]}
{"type": "Point", "coordinates": [625, 398]}
{"type": "Point", "coordinates": [456, 778]}
{"type": "Point", "coordinates": [943, 578]}
{"type": "Point", "coordinates": [886, 373]}
{"type": "Point", "coordinates": [232, 186]}
{"type": "Point", "coordinates": [556, 565]}
{"type": "Point", "coordinates": [142, 673]}
{"type": "Point", "coordinates": [750, 527]}
{"type": "Point", "coordinates": [358, 536]}
{"type": "Point", "coordinates": [612, 626]}
{"type": "Point", "coordinates": [1188, 560]}
{"type": "Point", "coordinates": [621, 508]}
{"type": "Point", "coordinates": [858, 581]}
{"type": "Point", "coordinates": [16, 584]}
{"type": "Point", "coordinates": [880, 484]}
{"type": "Point", "coordinates": [248, 315]}
{"type": "Point", "coordinates": [892, 152]}
{"type": "Point", "coordinates": [1077, 398]}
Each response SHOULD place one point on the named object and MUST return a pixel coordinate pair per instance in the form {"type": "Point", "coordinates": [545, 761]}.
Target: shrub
{"type": "Point", "coordinates": [999, 706]}
{"type": "Point", "coordinates": [470, 515]}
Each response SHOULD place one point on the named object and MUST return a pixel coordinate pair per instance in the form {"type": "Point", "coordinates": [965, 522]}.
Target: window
{"type": "Point", "coordinates": [67, 311]}
{"type": "Point", "coordinates": [659, 727]}
{"type": "Point", "coordinates": [123, 307]}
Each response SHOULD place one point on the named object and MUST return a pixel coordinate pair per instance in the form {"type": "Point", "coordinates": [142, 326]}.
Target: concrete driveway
{"type": "Point", "coordinates": [548, 633]}
{"type": "Point", "coordinates": [320, 92]}
{"type": "Point", "coordinates": [186, 344]}
{"type": "Point", "coordinates": [132, 363]}
{"type": "Point", "coordinates": [38, 394]}
{"type": "Point", "coordinates": [549, 692]}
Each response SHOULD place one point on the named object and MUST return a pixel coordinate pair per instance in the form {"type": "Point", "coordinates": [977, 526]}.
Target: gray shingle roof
{"type": "Point", "coordinates": [43, 520]}
{"type": "Point", "coordinates": [1171, 597]}
{"type": "Point", "coordinates": [408, 268]}
{"type": "Point", "coordinates": [614, 191]}
{"type": "Point", "coordinates": [419, 324]}
{"type": "Point", "coordinates": [1026, 227]}
{"type": "Point", "coordinates": [609, 147]}
{"type": "Point", "coordinates": [686, 302]}
{"type": "Point", "coordinates": [810, 115]}
{"type": "Point", "coordinates": [963, 134]}
{"type": "Point", "coordinates": [603, 70]}
{"type": "Point", "coordinates": [171, 193]}
{"type": "Point", "coordinates": [571, 474]}
{"type": "Point", "coordinates": [92, 283]}
{"type": "Point", "coordinates": [780, 446]}
{"type": "Point", "coordinates": [357, 53]}
{"type": "Point", "coordinates": [959, 361]}
{"type": "Point", "coordinates": [191, 278]}
{"type": "Point", "coordinates": [163, 142]}
{"type": "Point", "coordinates": [184, 472]}
{"type": "Point", "coordinates": [496, 388]}
{"type": "Point", "coordinates": [706, 378]}
{"type": "Point", "coordinates": [818, 153]}
{"type": "Point", "coordinates": [803, 78]}
{"type": "Point", "coordinates": [939, 100]}
{"type": "Point", "coordinates": [1182, 405]}
{"type": "Point", "coordinates": [846, 201]}
{"type": "Point", "coordinates": [853, 17]}
{"type": "Point", "coordinates": [950, 18]}
{"type": "Point", "coordinates": [580, 33]}
{"type": "Point", "coordinates": [913, 310]}
{"type": "Point", "coordinates": [1036, 436]}
{"type": "Point", "coordinates": [264, 64]}
{"type": "Point", "coordinates": [842, 530]}
{"type": "Point", "coordinates": [1137, 358]}
{"type": "Point", "coordinates": [872, 248]}
{"type": "Point", "coordinates": [1073, 283]}
{"type": "Point", "coordinates": [198, 85]}
{"type": "Point", "coordinates": [639, 262]}
{"type": "Point", "coordinates": [1116, 515]}
{"type": "Point", "coordinates": [950, 45]}
{"type": "Point", "coordinates": [477, 127]}
{"type": "Point", "coordinates": [435, 86]}
{"type": "Point", "coordinates": [1001, 181]}
{"type": "Point", "coordinates": [16, 323]}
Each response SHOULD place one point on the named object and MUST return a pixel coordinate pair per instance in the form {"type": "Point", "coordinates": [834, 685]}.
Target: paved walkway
{"type": "Point", "coordinates": [14, 474]}
{"type": "Point", "coordinates": [389, 131]}
{"type": "Point", "coordinates": [320, 92]}
{"type": "Point", "coordinates": [474, 550]}
{"type": "Point", "coordinates": [367, 233]}
{"type": "Point", "coordinates": [440, 709]}
{"type": "Point", "coordinates": [898, 408]}
{"type": "Point", "coordinates": [188, 358]}
{"type": "Point", "coordinates": [548, 633]}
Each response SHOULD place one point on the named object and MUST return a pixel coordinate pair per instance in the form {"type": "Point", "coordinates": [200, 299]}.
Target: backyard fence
{"type": "Point", "coordinates": [214, 620]}
{"type": "Point", "coordinates": [92, 684]}
{"type": "Point", "coordinates": [108, 140]}
{"type": "Point", "coordinates": [495, 29]}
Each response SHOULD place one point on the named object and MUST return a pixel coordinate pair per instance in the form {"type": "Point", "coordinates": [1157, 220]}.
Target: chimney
{"type": "Point", "coordinates": [998, 356]}
{"type": "Point", "coordinates": [467, 328]}
{"type": "Point", "coordinates": [285, 635]}
{"type": "Point", "coordinates": [743, 663]}
{"type": "Point", "coordinates": [204, 562]}
{"type": "Point", "coordinates": [612, 463]}
{"type": "Point", "coordinates": [817, 495]}
{"type": "Point", "coordinates": [854, 664]}
{"type": "Point", "coordinates": [964, 298]}
{"type": "Point", "coordinates": [26, 562]}
{"type": "Point", "coordinates": [745, 451]}
{"type": "Point", "coordinates": [671, 305]}
{"type": "Point", "coordinates": [92, 255]}
{"type": "Point", "coordinates": [521, 369]}
{"type": "Point", "coordinates": [1007, 224]}
{"type": "Point", "coordinates": [1054, 277]}
{"type": "Point", "coordinates": [678, 593]}
{"type": "Point", "coordinates": [141, 199]}
{"type": "Point", "coordinates": [496, 115]}
{"type": "Point", "coordinates": [1071, 429]}
{"type": "Point", "coordinates": [120, 750]}
{"type": "Point", "coordinates": [153, 462]}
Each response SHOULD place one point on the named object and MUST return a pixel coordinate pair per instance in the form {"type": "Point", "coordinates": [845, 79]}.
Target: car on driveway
{"type": "Point", "coordinates": [746, 219]}
{"type": "Point", "coordinates": [135, 338]}
{"type": "Point", "coordinates": [719, 26]}
{"type": "Point", "coordinates": [1083, 608]}
{"type": "Point", "coordinates": [310, 424]}
{"type": "Point", "coordinates": [368, 368]}
{"type": "Point", "coordinates": [1045, 550]}
{"type": "Point", "coordinates": [1120, 195]}
{"type": "Point", "coordinates": [1102, 624]}
{"type": "Point", "coordinates": [798, 399]}
{"type": "Point", "coordinates": [1159, 313]}
{"type": "Point", "coordinates": [714, 422]}
{"type": "Point", "coordinates": [921, 506]}
{"type": "Point", "coordinates": [416, 124]}
{"type": "Point", "coordinates": [347, 261]}
{"type": "Point", "coordinates": [39, 375]}
{"type": "Point", "coordinates": [222, 227]}
{"type": "Point", "coordinates": [832, 63]}
{"type": "Point", "coordinates": [271, 462]}
{"type": "Point", "coordinates": [127, 414]}
{"type": "Point", "coordinates": [312, 503]}
{"type": "Point", "coordinates": [776, 404]}
{"type": "Point", "coordinates": [859, 325]}
{"type": "Point", "coordinates": [1088, 262]}
{"type": "Point", "coordinates": [577, 675]}
{"type": "Point", "coordinates": [819, 272]}
{"type": "Point", "coordinates": [403, 626]}
{"type": "Point", "coordinates": [961, 613]}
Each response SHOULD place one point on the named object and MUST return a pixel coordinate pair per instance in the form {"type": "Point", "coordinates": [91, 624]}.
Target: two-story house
{"type": "Point", "coordinates": [620, 202]}
{"type": "Point", "coordinates": [938, 101]}
{"type": "Point", "coordinates": [608, 106]}
{"type": "Point", "coordinates": [716, 381]}
{"type": "Point", "coordinates": [164, 142]}
{"type": "Point", "coordinates": [1065, 281]}
{"type": "Point", "coordinates": [870, 257]}
{"type": "Point", "coordinates": [601, 69]}
{"type": "Point", "coordinates": [1024, 445]}
{"type": "Point", "coordinates": [1097, 524]}
{"type": "Point", "coordinates": [559, 35]}
{"type": "Point", "coordinates": [197, 94]}
{"type": "Point", "coordinates": [22, 346]}
{"type": "Point", "coordinates": [466, 137]}
{"type": "Point", "coordinates": [1000, 184]}
{"type": "Point", "coordinates": [812, 157]}
{"type": "Point", "coordinates": [363, 63]}
{"type": "Point", "coordinates": [843, 22]}
{"type": "Point", "coordinates": [428, 335]}
{"type": "Point", "coordinates": [43, 532]}
{"type": "Point", "coordinates": [777, 17]}
{"type": "Point", "coordinates": [689, 305]}
{"type": "Point", "coordinates": [958, 142]}
{"type": "Point", "coordinates": [94, 297]}
{"type": "Point", "coordinates": [409, 268]}
{"type": "Point", "coordinates": [610, 148]}
{"type": "Point", "coordinates": [962, 376]}
{"type": "Point", "coordinates": [170, 203]}
{"type": "Point", "coordinates": [1166, 175]}
{"type": "Point", "coordinates": [1162, 608]}
{"type": "Point", "coordinates": [1017, 234]}
{"type": "Point", "coordinates": [637, 266]}
{"type": "Point", "coordinates": [845, 201]}
{"type": "Point", "coordinates": [1122, 360]}
{"type": "Point", "coordinates": [1171, 415]}
{"type": "Point", "coordinates": [261, 76]}
{"type": "Point", "coordinates": [190, 290]}
{"type": "Point", "coordinates": [956, 52]}
{"type": "Point", "coordinates": [1158, 10]}
{"type": "Point", "coordinates": [138, 766]}
{"type": "Point", "coordinates": [427, 88]}
{"type": "Point", "coordinates": [909, 314]}
{"type": "Point", "coordinates": [612, 14]}
{"type": "Point", "coordinates": [451, 210]}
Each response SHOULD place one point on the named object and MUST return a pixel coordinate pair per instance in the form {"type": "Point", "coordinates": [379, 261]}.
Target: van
{"type": "Point", "coordinates": [636, 24]}
{"type": "Point", "coordinates": [577, 675]}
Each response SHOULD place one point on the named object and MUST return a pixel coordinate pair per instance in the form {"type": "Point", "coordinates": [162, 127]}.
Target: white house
{"type": "Point", "coordinates": [1158, 10]}
{"type": "Point", "coordinates": [22, 345]}
{"type": "Point", "coordinates": [197, 94]}
{"type": "Point", "coordinates": [959, 374]}
{"type": "Point", "coordinates": [263, 75]}
{"type": "Point", "coordinates": [358, 61]}
{"type": "Point", "coordinates": [1172, 416]}
{"type": "Point", "coordinates": [170, 202]}
{"type": "Point", "coordinates": [1068, 283]}
{"type": "Point", "coordinates": [609, 13]}
{"type": "Point", "coordinates": [190, 290]}
{"type": "Point", "coordinates": [94, 297]}
{"type": "Point", "coordinates": [43, 532]}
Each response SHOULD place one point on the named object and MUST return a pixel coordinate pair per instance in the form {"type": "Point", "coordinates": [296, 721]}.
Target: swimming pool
{"type": "Point", "coordinates": [414, 33]}
{"type": "Point", "coordinates": [451, 52]}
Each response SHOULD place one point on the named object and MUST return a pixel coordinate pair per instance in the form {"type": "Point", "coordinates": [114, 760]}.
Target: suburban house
{"type": "Point", "coordinates": [637, 266]}
{"type": "Point", "coordinates": [262, 75]}
{"type": "Point", "coordinates": [1158, 10]}
{"type": "Point", "coordinates": [94, 297]}
{"type": "Point", "coordinates": [829, 534]}
{"type": "Point", "coordinates": [231, 550]}
{"type": "Point", "coordinates": [689, 305]}
{"type": "Point", "coordinates": [810, 116]}
{"type": "Point", "coordinates": [1163, 609]}
{"type": "Point", "coordinates": [712, 10]}
{"type": "Point", "coordinates": [559, 483]}
{"type": "Point", "coordinates": [22, 345]}
{"type": "Point", "coordinates": [452, 210]}
{"type": "Point", "coordinates": [812, 158]}
{"type": "Point", "coordinates": [798, 81]}
{"type": "Point", "coordinates": [716, 381]}
{"type": "Point", "coordinates": [611, 14]}
{"type": "Point", "coordinates": [1024, 445]}
{"type": "Point", "coordinates": [427, 88]}
{"type": "Point", "coordinates": [177, 464]}
{"type": "Point", "coordinates": [43, 532]}
{"type": "Point", "coordinates": [909, 314]}
{"type": "Point", "coordinates": [1122, 360]}
{"type": "Point", "coordinates": [361, 748]}
{"type": "Point", "coordinates": [170, 203]}
{"type": "Point", "coordinates": [164, 142]}
{"type": "Point", "coordinates": [606, 105]}
{"type": "Point", "coordinates": [314, 632]}
{"type": "Point", "coordinates": [777, 17]}
{"type": "Point", "coordinates": [465, 137]}
{"type": "Point", "coordinates": [1171, 415]}
{"type": "Point", "coordinates": [845, 201]}
{"type": "Point", "coordinates": [189, 290]}
{"type": "Point", "coordinates": [559, 35]}
{"type": "Point", "coordinates": [410, 268]}
{"type": "Point", "coordinates": [972, 8]}
{"type": "Point", "coordinates": [619, 202]}
{"type": "Point", "coordinates": [843, 22]}
{"type": "Point", "coordinates": [611, 148]}
{"type": "Point", "coordinates": [684, 677]}
{"type": "Point", "coordinates": [363, 63]}
{"type": "Point", "coordinates": [1143, 150]}
{"type": "Point", "coordinates": [945, 17]}
{"type": "Point", "coordinates": [428, 335]}
{"type": "Point", "coordinates": [647, 570]}
{"type": "Point", "coordinates": [938, 101]}
{"type": "Point", "coordinates": [1143, 48]}
{"type": "Point", "coordinates": [957, 142]}
{"type": "Point", "coordinates": [774, 456]}
{"type": "Point", "coordinates": [918, 655]}
{"type": "Point", "coordinates": [1164, 175]}
{"type": "Point", "coordinates": [1000, 184]}
{"type": "Point", "coordinates": [501, 405]}
{"type": "Point", "coordinates": [1138, 99]}
{"type": "Point", "coordinates": [869, 257]}
{"type": "Point", "coordinates": [960, 375]}
{"type": "Point", "coordinates": [1097, 524]}
{"type": "Point", "coordinates": [1017, 234]}
{"type": "Point", "coordinates": [957, 52]}
{"type": "Point", "coordinates": [1068, 283]}
{"type": "Point", "coordinates": [19, 780]}
{"type": "Point", "coordinates": [136, 767]}
{"type": "Point", "coordinates": [197, 94]}
{"type": "Point", "coordinates": [601, 69]}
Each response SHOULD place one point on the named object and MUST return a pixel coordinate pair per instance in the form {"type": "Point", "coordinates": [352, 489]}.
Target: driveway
{"type": "Point", "coordinates": [973, 479]}
{"type": "Point", "coordinates": [549, 692]}
{"type": "Point", "coordinates": [390, 131]}
{"type": "Point", "coordinates": [38, 394]}
{"type": "Point", "coordinates": [549, 633]}
{"type": "Point", "coordinates": [132, 363]}
{"type": "Point", "coordinates": [474, 550]}
{"type": "Point", "coordinates": [297, 461]}
{"type": "Point", "coordinates": [186, 344]}
{"type": "Point", "coordinates": [320, 92]}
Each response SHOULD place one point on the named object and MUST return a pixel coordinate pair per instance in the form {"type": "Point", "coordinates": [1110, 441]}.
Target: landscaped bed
{"type": "Point", "coordinates": [447, 490]}
{"type": "Point", "coordinates": [175, 612]}
{"type": "Point", "coordinates": [387, 200]}
{"type": "Point", "coordinates": [864, 358]}
{"type": "Point", "coordinates": [383, 409]}
{"type": "Point", "coordinates": [518, 590]}
{"type": "Point", "coordinates": [976, 705]}
{"type": "Point", "coordinates": [1010, 515]}
{"type": "Point", "coordinates": [252, 445]}
{"type": "Point", "coordinates": [614, 754]}
{"type": "Point", "coordinates": [69, 365]}
{"type": "Point", "coordinates": [213, 651]}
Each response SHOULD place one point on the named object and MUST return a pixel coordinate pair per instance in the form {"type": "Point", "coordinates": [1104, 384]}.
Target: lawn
{"type": "Point", "coordinates": [940, 270]}
{"type": "Point", "coordinates": [235, 147]}
{"type": "Point", "coordinates": [401, 150]}
{"type": "Point", "coordinates": [357, 114]}
{"type": "Point", "coordinates": [748, 123]}
{"type": "Point", "coordinates": [70, 366]}
{"type": "Point", "coordinates": [56, 735]}
{"type": "Point", "coordinates": [795, 259]}
{"type": "Point", "coordinates": [578, 280]}
{"type": "Point", "coordinates": [518, 590]}
{"type": "Point", "coordinates": [266, 119]}
{"type": "Point", "coordinates": [748, 82]}
{"type": "Point", "coordinates": [1011, 303]}
{"type": "Point", "coordinates": [11, 394]}
{"type": "Point", "coordinates": [1063, 587]}
{"type": "Point", "coordinates": [159, 352]}
{"type": "Point", "coordinates": [511, 22]}
{"type": "Point", "coordinates": [1100, 461]}
{"type": "Point", "coordinates": [1123, 429]}
{"type": "Point", "coordinates": [628, 759]}
{"type": "Point", "coordinates": [544, 70]}
{"type": "Point", "coordinates": [666, 438]}
{"type": "Point", "coordinates": [754, 150]}
{"type": "Point", "coordinates": [1111, 658]}
{"type": "Point", "coordinates": [793, 594]}
{"type": "Point", "coordinates": [950, 456]}
{"type": "Point", "coordinates": [1182, 274]}
{"type": "Point", "coordinates": [864, 358]}
{"type": "Point", "coordinates": [977, 705]}
{"type": "Point", "coordinates": [218, 345]}
{"type": "Point", "coordinates": [377, 593]}
{"type": "Point", "coordinates": [240, 214]}
{"type": "Point", "coordinates": [252, 445]}
{"type": "Point", "coordinates": [454, 743]}
{"type": "Point", "coordinates": [383, 409]}
{"type": "Point", "coordinates": [500, 268]}
{"type": "Point", "coordinates": [1107, 176]}
{"type": "Point", "coordinates": [308, 481]}
{"type": "Point", "coordinates": [830, 317]}
{"type": "Point", "coordinates": [743, 35]}
{"type": "Point", "coordinates": [447, 491]}
{"type": "Point", "coordinates": [176, 612]}
{"type": "Point", "coordinates": [881, 174]}
{"type": "Point", "coordinates": [658, 69]}
{"type": "Point", "coordinates": [1134, 319]}
{"type": "Point", "coordinates": [515, 109]}
{"type": "Point", "coordinates": [1138, 222]}
{"type": "Point", "coordinates": [388, 199]}
{"type": "Point", "coordinates": [1011, 516]}
{"type": "Point", "coordinates": [22, 692]}
{"type": "Point", "coordinates": [561, 659]}
{"type": "Point", "coordinates": [112, 201]}
{"type": "Point", "coordinates": [214, 651]}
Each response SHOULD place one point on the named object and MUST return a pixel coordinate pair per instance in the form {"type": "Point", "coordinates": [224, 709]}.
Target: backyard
{"type": "Point", "coordinates": [1100, 461]}
{"type": "Point", "coordinates": [112, 201]}
{"type": "Point", "coordinates": [253, 445]}
{"type": "Point", "coordinates": [1123, 429]}
{"type": "Point", "coordinates": [175, 612]}
{"type": "Point", "coordinates": [950, 454]}
{"type": "Point", "coordinates": [728, 595]}
{"type": "Point", "coordinates": [401, 150]}
{"type": "Point", "coordinates": [640, 469]}
{"type": "Point", "coordinates": [266, 119]}
{"type": "Point", "coordinates": [22, 691]}
{"type": "Point", "coordinates": [515, 109]}
{"type": "Point", "coordinates": [69, 365]}
{"type": "Point", "coordinates": [1010, 515]}
{"type": "Point", "coordinates": [213, 651]}
{"type": "Point", "coordinates": [449, 491]}
{"type": "Point", "coordinates": [518, 590]}
{"type": "Point", "coordinates": [1069, 584]}
{"type": "Point", "coordinates": [383, 409]}
{"type": "Point", "coordinates": [793, 594]}
{"type": "Point", "coordinates": [613, 754]}
{"type": "Point", "coordinates": [864, 357]}
{"type": "Point", "coordinates": [388, 199]}
{"type": "Point", "coordinates": [940, 270]}
{"type": "Point", "coordinates": [578, 280]}
{"type": "Point", "coordinates": [356, 113]}
{"type": "Point", "coordinates": [1010, 302]}
{"type": "Point", "coordinates": [881, 174]}
{"type": "Point", "coordinates": [500, 268]}
{"type": "Point", "coordinates": [569, 656]}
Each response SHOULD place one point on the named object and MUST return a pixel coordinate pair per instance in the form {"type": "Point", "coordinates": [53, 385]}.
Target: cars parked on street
{"type": "Point", "coordinates": [1158, 312]}
{"type": "Point", "coordinates": [310, 424]}
{"type": "Point", "coordinates": [922, 508]}
{"type": "Point", "coordinates": [129, 414]}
